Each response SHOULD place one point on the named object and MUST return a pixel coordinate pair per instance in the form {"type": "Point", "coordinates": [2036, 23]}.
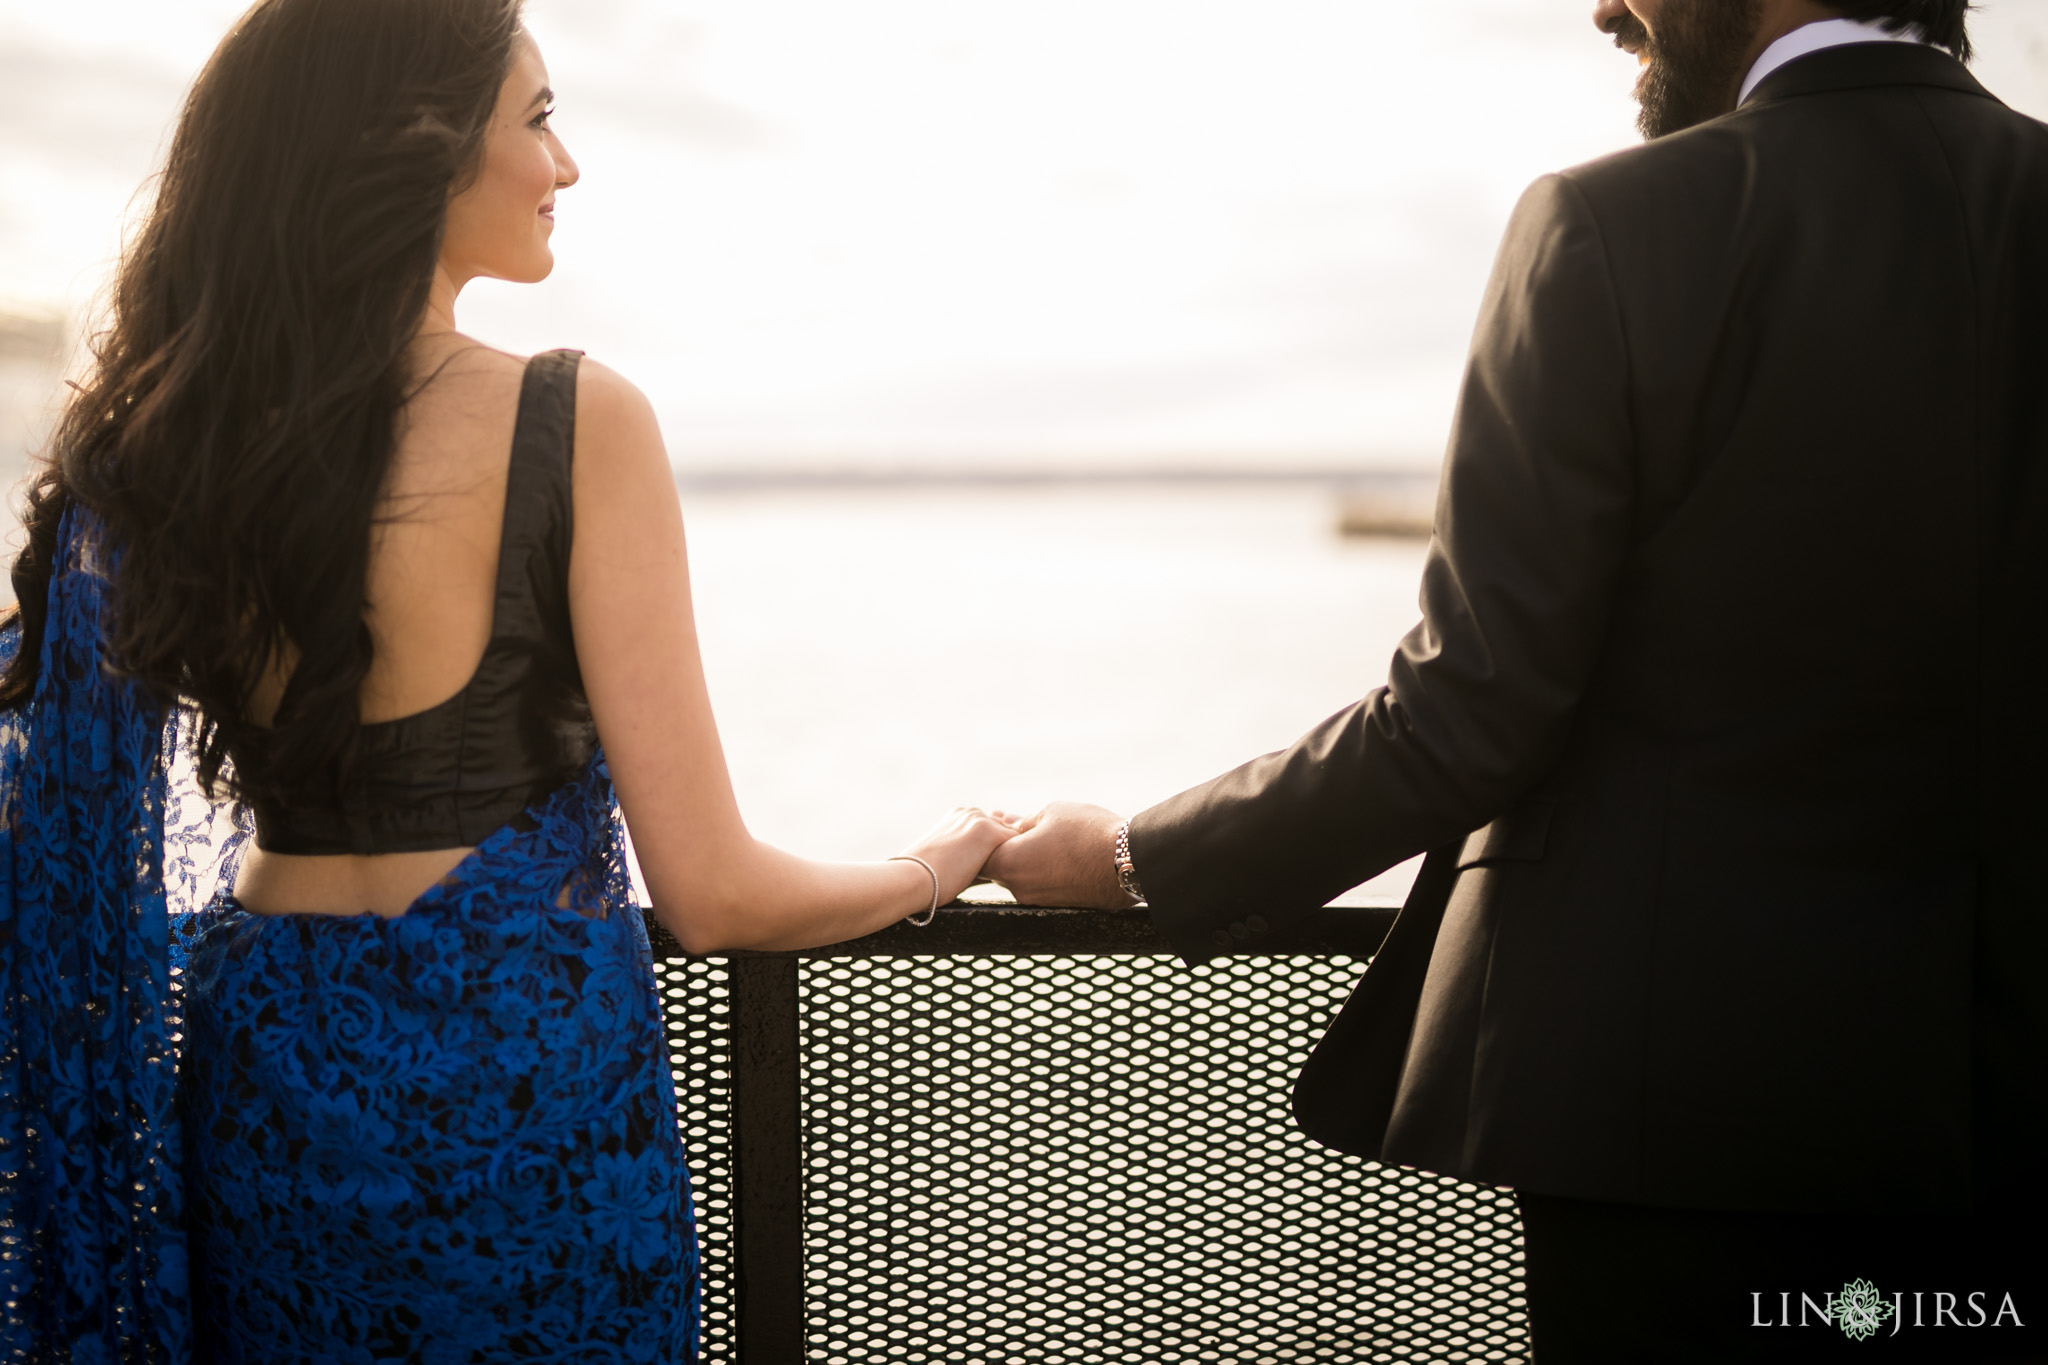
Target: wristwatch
{"type": "Point", "coordinates": [1126, 874]}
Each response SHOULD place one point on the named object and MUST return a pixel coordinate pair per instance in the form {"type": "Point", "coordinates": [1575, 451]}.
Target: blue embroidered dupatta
{"type": "Point", "coordinates": [92, 1267]}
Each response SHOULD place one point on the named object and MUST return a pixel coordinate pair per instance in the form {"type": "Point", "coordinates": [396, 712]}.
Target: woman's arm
{"type": "Point", "coordinates": [715, 886]}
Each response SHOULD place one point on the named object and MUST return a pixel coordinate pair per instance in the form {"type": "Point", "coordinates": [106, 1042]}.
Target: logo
{"type": "Point", "coordinates": [1861, 1310]}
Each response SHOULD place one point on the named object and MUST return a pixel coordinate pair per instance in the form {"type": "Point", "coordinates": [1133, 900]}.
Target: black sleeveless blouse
{"type": "Point", "coordinates": [449, 776]}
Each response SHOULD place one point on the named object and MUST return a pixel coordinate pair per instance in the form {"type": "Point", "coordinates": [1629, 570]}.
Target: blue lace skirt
{"type": "Point", "coordinates": [449, 1136]}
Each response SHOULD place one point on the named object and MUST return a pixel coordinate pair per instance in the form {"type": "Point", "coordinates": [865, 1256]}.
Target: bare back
{"type": "Point", "coordinates": [432, 575]}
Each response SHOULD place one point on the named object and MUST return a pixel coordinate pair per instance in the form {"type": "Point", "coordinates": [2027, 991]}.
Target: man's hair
{"type": "Point", "coordinates": [1941, 22]}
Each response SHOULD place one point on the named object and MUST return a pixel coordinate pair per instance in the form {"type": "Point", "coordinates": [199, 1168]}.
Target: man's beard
{"type": "Point", "coordinates": [1695, 56]}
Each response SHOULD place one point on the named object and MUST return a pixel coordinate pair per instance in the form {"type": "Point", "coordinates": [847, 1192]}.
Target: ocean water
{"type": "Point", "coordinates": [879, 657]}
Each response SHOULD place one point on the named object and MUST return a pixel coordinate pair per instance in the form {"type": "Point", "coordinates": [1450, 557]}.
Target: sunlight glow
{"type": "Point", "coordinates": [955, 231]}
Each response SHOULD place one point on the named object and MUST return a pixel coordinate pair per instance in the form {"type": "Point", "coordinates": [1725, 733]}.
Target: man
{"type": "Point", "coordinates": [1723, 721]}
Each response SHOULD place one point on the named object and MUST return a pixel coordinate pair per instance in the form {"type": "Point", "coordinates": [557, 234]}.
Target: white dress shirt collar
{"type": "Point", "coordinates": [1816, 37]}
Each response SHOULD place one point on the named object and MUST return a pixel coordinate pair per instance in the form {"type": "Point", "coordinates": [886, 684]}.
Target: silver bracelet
{"type": "Point", "coordinates": [1126, 872]}
{"type": "Point", "coordinates": [932, 913]}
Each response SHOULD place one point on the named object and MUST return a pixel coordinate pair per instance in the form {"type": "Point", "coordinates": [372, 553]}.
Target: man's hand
{"type": "Point", "coordinates": [1066, 855]}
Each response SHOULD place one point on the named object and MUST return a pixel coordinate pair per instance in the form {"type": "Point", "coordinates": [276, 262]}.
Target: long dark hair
{"type": "Point", "coordinates": [237, 426]}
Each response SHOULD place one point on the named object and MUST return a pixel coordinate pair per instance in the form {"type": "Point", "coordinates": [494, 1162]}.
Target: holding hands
{"type": "Point", "coordinates": [1064, 855]}
{"type": "Point", "coordinates": [956, 848]}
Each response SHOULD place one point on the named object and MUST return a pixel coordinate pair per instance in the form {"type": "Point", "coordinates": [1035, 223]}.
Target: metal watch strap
{"type": "Point", "coordinates": [1126, 874]}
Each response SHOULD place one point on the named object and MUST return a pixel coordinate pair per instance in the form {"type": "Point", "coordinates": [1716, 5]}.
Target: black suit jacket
{"type": "Point", "coordinates": [1732, 655]}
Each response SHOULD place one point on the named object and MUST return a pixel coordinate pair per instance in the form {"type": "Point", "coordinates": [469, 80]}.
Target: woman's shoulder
{"type": "Point", "coordinates": [609, 406]}
{"type": "Point", "coordinates": [602, 392]}
{"type": "Point", "coordinates": [450, 356]}
{"type": "Point", "coordinates": [623, 488]}
{"type": "Point", "coordinates": [617, 433]}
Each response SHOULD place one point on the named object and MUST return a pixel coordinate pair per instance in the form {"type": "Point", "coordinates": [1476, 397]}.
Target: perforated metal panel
{"type": "Point", "coordinates": [1024, 1159]}
{"type": "Point", "coordinates": [695, 999]}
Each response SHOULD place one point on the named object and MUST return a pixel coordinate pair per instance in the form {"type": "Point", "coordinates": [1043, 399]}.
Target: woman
{"type": "Point", "coordinates": [406, 583]}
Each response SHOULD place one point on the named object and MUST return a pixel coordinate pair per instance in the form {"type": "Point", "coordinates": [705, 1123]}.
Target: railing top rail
{"type": "Point", "coordinates": [982, 930]}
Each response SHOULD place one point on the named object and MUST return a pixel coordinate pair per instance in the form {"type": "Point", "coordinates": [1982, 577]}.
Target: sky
{"type": "Point", "coordinates": [1070, 233]}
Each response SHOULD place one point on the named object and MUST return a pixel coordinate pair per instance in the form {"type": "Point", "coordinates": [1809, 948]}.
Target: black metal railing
{"type": "Point", "coordinates": [1031, 1135]}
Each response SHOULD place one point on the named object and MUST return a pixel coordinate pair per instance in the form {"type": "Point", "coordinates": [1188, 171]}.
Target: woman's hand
{"type": "Point", "coordinates": [958, 845]}
{"type": "Point", "coordinates": [1064, 855]}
